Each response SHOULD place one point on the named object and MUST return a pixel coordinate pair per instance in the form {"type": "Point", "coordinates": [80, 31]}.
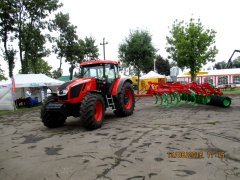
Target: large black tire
{"type": "Point", "coordinates": [51, 119]}
{"type": "Point", "coordinates": [125, 101]}
{"type": "Point", "coordinates": [92, 111]}
{"type": "Point", "coordinates": [221, 101]}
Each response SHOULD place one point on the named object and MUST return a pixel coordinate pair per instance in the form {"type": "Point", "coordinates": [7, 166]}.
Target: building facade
{"type": "Point", "coordinates": [216, 77]}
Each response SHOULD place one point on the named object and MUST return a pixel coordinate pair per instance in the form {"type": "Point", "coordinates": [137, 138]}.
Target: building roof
{"type": "Point", "coordinates": [224, 71]}
{"type": "Point", "coordinates": [216, 72]}
{"type": "Point", "coordinates": [86, 63]}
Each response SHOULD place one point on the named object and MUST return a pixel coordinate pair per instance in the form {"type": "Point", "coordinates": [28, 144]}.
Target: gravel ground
{"type": "Point", "coordinates": [185, 142]}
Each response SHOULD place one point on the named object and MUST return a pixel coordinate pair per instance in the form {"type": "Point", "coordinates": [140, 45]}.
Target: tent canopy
{"type": "Point", "coordinates": [151, 75]}
{"type": "Point", "coordinates": [33, 80]}
{"type": "Point", "coordinates": [22, 81]}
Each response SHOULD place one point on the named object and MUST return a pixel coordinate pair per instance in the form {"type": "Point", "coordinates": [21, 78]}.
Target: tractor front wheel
{"type": "Point", "coordinates": [125, 102]}
{"type": "Point", "coordinates": [92, 111]}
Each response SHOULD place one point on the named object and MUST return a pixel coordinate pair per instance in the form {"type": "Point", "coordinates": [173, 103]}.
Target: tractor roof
{"type": "Point", "coordinates": [93, 62]}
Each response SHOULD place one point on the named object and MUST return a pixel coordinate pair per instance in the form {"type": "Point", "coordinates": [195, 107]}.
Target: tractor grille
{"type": "Point", "coordinates": [63, 97]}
{"type": "Point", "coordinates": [74, 92]}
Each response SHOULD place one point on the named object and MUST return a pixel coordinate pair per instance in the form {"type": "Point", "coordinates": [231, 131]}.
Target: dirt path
{"type": "Point", "coordinates": [142, 146]}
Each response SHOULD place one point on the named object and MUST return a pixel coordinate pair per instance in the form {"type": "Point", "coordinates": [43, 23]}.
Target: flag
{"type": "Point", "coordinates": [14, 92]}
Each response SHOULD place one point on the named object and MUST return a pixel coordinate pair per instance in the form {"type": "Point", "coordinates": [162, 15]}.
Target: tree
{"type": "Point", "coordinates": [191, 45]}
{"type": "Point", "coordinates": [138, 51]}
{"type": "Point", "coordinates": [60, 24]}
{"type": "Point", "coordinates": [220, 65]}
{"type": "Point", "coordinates": [33, 43]}
{"type": "Point", "coordinates": [57, 73]}
{"type": "Point", "coordinates": [162, 65]}
{"type": "Point", "coordinates": [71, 47]}
{"type": "Point", "coordinates": [2, 77]}
{"type": "Point", "coordinates": [7, 22]}
{"type": "Point", "coordinates": [40, 67]}
{"type": "Point", "coordinates": [236, 62]}
{"type": "Point", "coordinates": [9, 57]}
{"type": "Point", "coordinates": [31, 15]}
{"type": "Point", "coordinates": [90, 48]}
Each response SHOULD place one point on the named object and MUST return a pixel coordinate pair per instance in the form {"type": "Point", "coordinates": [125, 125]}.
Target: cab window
{"type": "Point", "coordinates": [92, 72]}
{"type": "Point", "coordinates": [110, 72]}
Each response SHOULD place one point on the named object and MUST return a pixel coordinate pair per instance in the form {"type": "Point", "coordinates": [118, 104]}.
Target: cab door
{"type": "Point", "coordinates": [110, 76]}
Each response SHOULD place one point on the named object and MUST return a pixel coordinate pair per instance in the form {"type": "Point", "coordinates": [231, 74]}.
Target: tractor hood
{"type": "Point", "coordinates": [74, 87]}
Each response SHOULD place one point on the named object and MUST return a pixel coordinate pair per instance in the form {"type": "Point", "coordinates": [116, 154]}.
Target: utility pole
{"type": "Point", "coordinates": [103, 44]}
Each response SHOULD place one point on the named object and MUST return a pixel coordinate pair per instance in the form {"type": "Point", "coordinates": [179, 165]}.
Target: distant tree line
{"type": "Point", "coordinates": [189, 45]}
{"type": "Point", "coordinates": [223, 64]}
{"type": "Point", "coordinates": [27, 24]}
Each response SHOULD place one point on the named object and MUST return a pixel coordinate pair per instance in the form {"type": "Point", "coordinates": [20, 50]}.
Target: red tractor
{"type": "Point", "coordinates": [99, 88]}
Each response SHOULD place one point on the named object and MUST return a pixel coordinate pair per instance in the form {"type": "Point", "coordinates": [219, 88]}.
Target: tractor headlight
{"type": "Point", "coordinates": [62, 92]}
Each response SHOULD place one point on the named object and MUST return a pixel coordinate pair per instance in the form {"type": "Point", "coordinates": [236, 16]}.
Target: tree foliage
{"type": "Point", "coordinates": [2, 77]}
{"type": "Point", "coordinates": [9, 57]}
{"type": "Point", "coordinates": [223, 64]}
{"type": "Point", "coordinates": [40, 67]}
{"type": "Point", "coordinates": [191, 46]}
{"type": "Point", "coordinates": [236, 62]}
{"type": "Point", "coordinates": [90, 48]}
{"type": "Point", "coordinates": [68, 45]}
{"type": "Point", "coordinates": [60, 24]}
{"type": "Point", "coordinates": [25, 20]}
{"type": "Point", "coordinates": [57, 73]}
{"type": "Point", "coordinates": [137, 51]}
{"type": "Point", "coordinates": [33, 44]}
{"type": "Point", "coordinates": [31, 21]}
{"type": "Point", "coordinates": [220, 65]}
{"type": "Point", "coordinates": [7, 27]}
{"type": "Point", "coordinates": [162, 65]}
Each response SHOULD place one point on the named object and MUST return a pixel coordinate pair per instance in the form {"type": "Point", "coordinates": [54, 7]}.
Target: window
{"type": "Point", "coordinates": [236, 79]}
{"type": "Point", "coordinates": [92, 71]}
{"type": "Point", "coordinates": [222, 80]}
{"type": "Point", "coordinates": [110, 72]}
{"type": "Point", "coordinates": [197, 80]}
{"type": "Point", "coordinates": [208, 80]}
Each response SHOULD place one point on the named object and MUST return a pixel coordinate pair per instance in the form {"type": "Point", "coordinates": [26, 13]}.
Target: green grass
{"type": "Point", "coordinates": [235, 91]}
{"type": "Point", "coordinates": [19, 110]}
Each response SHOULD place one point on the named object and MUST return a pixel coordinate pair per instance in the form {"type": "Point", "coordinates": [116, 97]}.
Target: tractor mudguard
{"type": "Point", "coordinates": [117, 86]}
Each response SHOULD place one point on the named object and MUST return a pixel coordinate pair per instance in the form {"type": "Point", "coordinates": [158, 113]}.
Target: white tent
{"type": "Point", "coordinates": [6, 98]}
{"type": "Point", "coordinates": [35, 80]}
{"type": "Point", "coordinates": [25, 81]}
{"type": "Point", "coordinates": [151, 75]}
{"type": "Point", "coordinates": [32, 80]}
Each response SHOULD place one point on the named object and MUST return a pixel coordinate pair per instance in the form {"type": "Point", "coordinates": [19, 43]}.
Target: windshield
{"type": "Point", "coordinates": [92, 72]}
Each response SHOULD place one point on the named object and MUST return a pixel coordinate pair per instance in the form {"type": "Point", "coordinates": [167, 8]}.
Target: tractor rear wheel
{"type": "Point", "coordinates": [92, 111]}
{"type": "Point", "coordinates": [125, 102]}
{"type": "Point", "coordinates": [51, 119]}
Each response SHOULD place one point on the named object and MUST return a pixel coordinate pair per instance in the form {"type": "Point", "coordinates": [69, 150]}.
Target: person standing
{"type": "Point", "coordinates": [28, 98]}
{"type": "Point", "coordinates": [49, 91]}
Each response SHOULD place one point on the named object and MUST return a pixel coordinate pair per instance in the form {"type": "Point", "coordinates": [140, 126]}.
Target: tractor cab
{"type": "Point", "coordinates": [105, 73]}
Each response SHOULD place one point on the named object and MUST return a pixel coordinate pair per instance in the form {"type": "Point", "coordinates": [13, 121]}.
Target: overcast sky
{"type": "Point", "coordinates": [113, 19]}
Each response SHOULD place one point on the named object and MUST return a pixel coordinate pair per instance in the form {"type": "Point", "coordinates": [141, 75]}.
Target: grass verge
{"type": "Point", "coordinates": [19, 110]}
{"type": "Point", "coordinates": [235, 91]}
